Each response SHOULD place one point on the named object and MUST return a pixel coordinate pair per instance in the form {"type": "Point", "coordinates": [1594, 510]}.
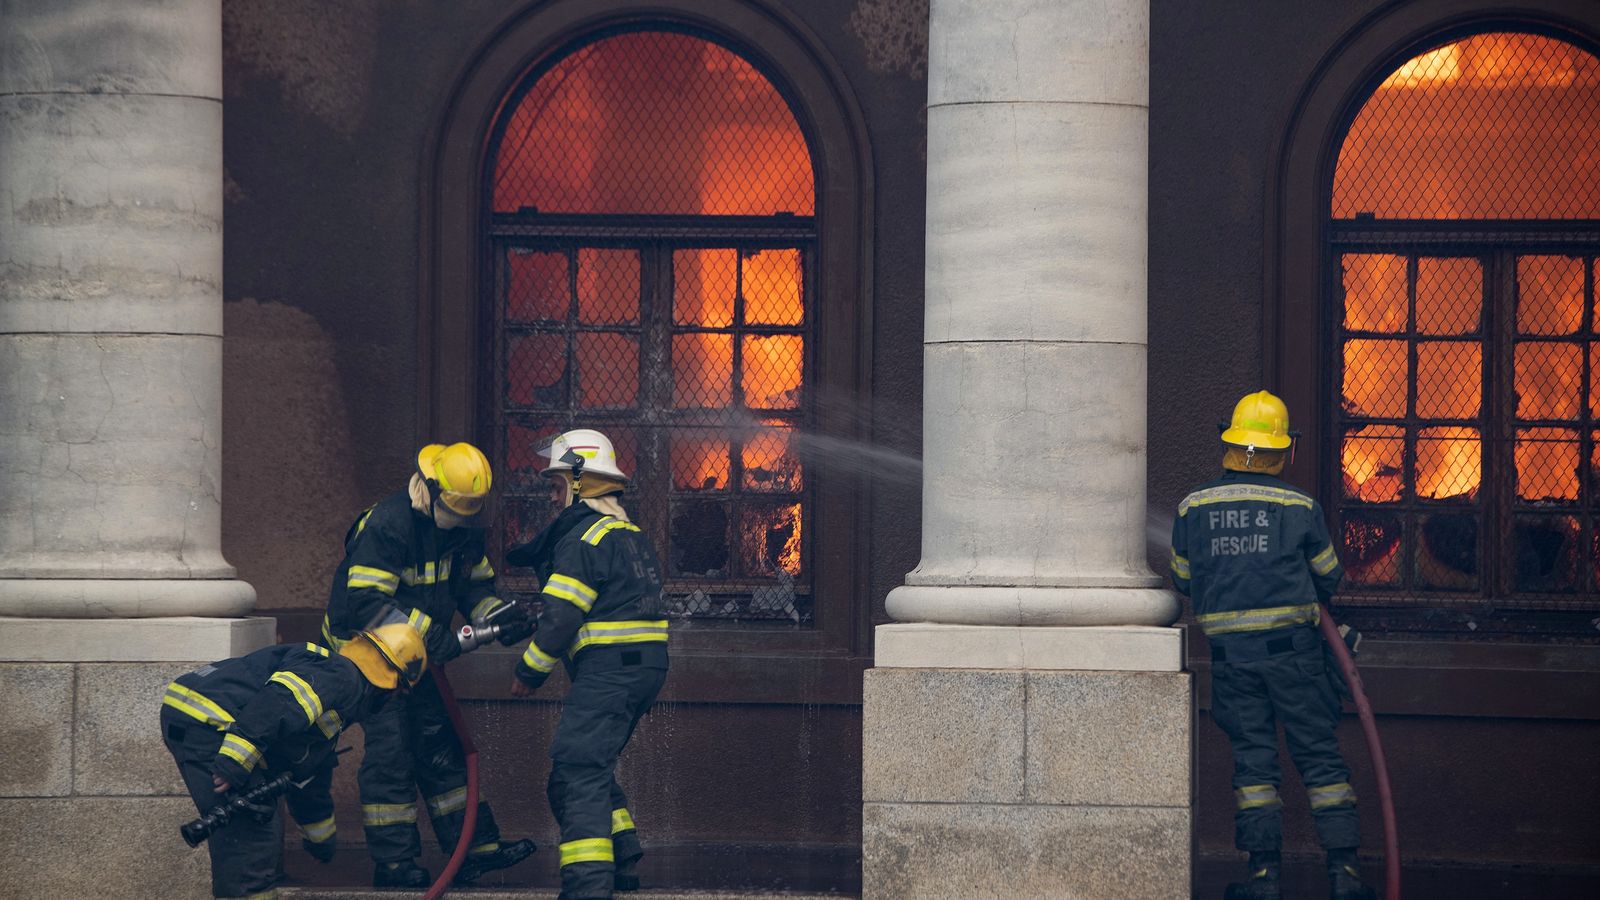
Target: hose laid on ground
{"type": "Point", "coordinates": [1369, 727]}
{"type": "Point", "coordinates": [470, 751]}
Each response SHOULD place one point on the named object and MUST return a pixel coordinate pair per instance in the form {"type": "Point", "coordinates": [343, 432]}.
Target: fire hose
{"type": "Point", "coordinates": [470, 751]}
{"type": "Point", "coordinates": [1369, 728]}
{"type": "Point", "coordinates": [470, 637]}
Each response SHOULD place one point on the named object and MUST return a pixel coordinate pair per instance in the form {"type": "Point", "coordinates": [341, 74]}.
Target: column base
{"type": "Point", "coordinates": [95, 598]}
{"type": "Point", "coordinates": [1107, 648]}
{"type": "Point", "coordinates": [175, 639]}
{"type": "Point", "coordinates": [974, 604]}
{"type": "Point", "coordinates": [1017, 780]}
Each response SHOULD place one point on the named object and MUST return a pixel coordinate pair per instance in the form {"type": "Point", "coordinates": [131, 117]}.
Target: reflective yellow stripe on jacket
{"type": "Point", "coordinates": [635, 632]}
{"type": "Point", "coordinates": [195, 705]}
{"type": "Point", "coordinates": [537, 659]}
{"type": "Point", "coordinates": [485, 606]}
{"type": "Point", "coordinates": [1235, 493]}
{"type": "Point", "coordinates": [309, 702]}
{"type": "Point", "coordinates": [605, 526]}
{"type": "Point", "coordinates": [572, 590]}
{"type": "Point", "coordinates": [1241, 620]}
{"type": "Point", "coordinates": [240, 751]}
{"type": "Point", "coordinates": [1325, 562]}
{"type": "Point", "coordinates": [327, 635]}
{"type": "Point", "coordinates": [384, 582]}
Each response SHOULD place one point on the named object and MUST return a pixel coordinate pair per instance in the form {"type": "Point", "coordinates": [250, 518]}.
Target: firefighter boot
{"type": "Point", "coordinates": [1344, 879]}
{"type": "Point", "coordinates": [478, 864]}
{"type": "Point", "coordinates": [403, 874]}
{"type": "Point", "coordinates": [1263, 882]}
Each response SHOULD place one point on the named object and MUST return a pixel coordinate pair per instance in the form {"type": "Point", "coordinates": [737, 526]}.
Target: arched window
{"type": "Point", "coordinates": [1463, 457]}
{"type": "Point", "coordinates": [654, 250]}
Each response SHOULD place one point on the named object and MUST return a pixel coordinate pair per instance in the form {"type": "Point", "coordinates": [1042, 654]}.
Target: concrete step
{"type": "Point", "coordinates": [540, 894]}
{"type": "Point", "coordinates": [313, 893]}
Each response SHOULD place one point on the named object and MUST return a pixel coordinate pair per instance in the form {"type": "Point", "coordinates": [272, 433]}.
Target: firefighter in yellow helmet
{"type": "Point", "coordinates": [602, 615]}
{"type": "Point", "coordinates": [1254, 555]}
{"type": "Point", "coordinates": [235, 724]}
{"type": "Point", "coordinates": [418, 557]}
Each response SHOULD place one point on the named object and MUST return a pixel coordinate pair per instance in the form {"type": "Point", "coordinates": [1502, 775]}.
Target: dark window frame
{"type": "Point", "coordinates": [453, 270]}
{"type": "Point", "coordinates": [1298, 260]}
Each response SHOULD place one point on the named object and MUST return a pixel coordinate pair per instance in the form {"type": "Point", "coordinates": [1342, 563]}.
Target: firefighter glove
{"type": "Point", "coordinates": [518, 627]}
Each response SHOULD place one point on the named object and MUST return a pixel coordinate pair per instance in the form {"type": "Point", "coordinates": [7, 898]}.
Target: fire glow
{"type": "Point", "coordinates": [657, 123]}
{"type": "Point", "coordinates": [1486, 127]}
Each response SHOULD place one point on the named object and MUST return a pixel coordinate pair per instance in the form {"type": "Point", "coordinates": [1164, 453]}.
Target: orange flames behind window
{"type": "Point", "coordinates": [661, 123]}
{"type": "Point", "coordinates": [1488, 127]}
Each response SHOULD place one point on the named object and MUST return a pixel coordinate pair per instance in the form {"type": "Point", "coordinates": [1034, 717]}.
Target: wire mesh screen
{"type": "Point", "coordinates": [653, 123]}
{"type": "Point", "coordinates": [1454, 482]}
{"type": "Point", "coordinates": [689, 351]}
{"type": "Point", "coordinates": [1487, 127]}
{"type": "Point", "coordinates": [1466, 459]}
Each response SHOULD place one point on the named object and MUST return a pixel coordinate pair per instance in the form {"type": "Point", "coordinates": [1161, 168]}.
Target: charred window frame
{"type": "Point", "coordinates": [759, 581]}
{"type": "Point", "coordinates": [1516, 548]}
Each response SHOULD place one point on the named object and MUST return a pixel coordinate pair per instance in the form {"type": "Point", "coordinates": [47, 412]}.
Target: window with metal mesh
{"type": "Point", "coordinates": [1465, 461]}
{"type": "Point", "coordinates": [653, 245]}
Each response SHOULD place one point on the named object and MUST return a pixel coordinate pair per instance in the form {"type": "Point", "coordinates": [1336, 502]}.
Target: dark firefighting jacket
{"type": "Point", "coordinates": [399, 567]}
{"type": "Point", "coordinates": [1253, 552]}
{"type": "Point", "coordinates": [602, 592]}
{"type": "Point", "coordinates": [281, 707]}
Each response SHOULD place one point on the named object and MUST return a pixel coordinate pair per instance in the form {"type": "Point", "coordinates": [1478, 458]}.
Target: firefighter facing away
{"type": "Point", "coordinates": [1254, 555]}
{"type": "Point", "coordinates": [234, 724]}
{"type": "Point", "coordinates": [602, 615]}
{"type": "Point", "coordinates": [417, 558]}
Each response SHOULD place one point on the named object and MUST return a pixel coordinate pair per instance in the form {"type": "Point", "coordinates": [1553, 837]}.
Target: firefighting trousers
{"type": "Point", "coordinates": [246, 854]}
{"type": "Point", "coordinates": [410, 744]}
{"type": "Point", "coordinates": [598, 836]}
{"type": "Point", "coordinates": [1278, 677]}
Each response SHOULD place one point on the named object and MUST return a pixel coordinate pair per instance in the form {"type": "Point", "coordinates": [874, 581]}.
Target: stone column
{"type": "Point", "coordinates": [1028, 729]}
{"type": "Point", "coordinates": [112, 579]}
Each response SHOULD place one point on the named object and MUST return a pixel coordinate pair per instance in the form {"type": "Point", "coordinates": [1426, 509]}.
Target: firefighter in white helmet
{"type": "Point", "coordinates": [419, 557]}
{"type": "Point", "coordinates": [1254, 554]}
{"type": "Point", "coordinates": [602, 615]}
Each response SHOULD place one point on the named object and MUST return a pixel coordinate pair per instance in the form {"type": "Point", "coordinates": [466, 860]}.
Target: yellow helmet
{"type": "Point", "coordinates": [1260, 422]}
{"type": "Point", "coordinates": [459, 474]}
{"type": "Point", "coordinates": [387, 653]}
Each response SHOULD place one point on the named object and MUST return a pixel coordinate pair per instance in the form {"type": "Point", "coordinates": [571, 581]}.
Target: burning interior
{"type": "Point", "coordinates": [1466, 407]}
{"type": "Point", "coordinates": [653, 203]}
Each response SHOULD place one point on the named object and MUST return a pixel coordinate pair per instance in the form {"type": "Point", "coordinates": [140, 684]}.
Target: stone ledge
{"type": "Point", "coordinates": [1106, 648]}
{"type": "Point", "coordinates": [913, 851]}
{"type": "Point", "coordinates": [172, 639]}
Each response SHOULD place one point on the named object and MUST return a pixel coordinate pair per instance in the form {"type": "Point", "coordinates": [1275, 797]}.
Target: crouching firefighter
{"type": "Point", "coordinates": [1254, 555]}
{"type": "Point", "coordinates": [602, 615]}
{"type": "Point", "coordinates": [233, 725]}
{"type": "Point", "coordinates": [418, 557]}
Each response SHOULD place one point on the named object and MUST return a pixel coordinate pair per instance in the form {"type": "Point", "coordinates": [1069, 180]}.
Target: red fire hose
{"type": "Point", "coordinates": [470, 751]}
{"type": "Point", "coordinates": [1369, 727]}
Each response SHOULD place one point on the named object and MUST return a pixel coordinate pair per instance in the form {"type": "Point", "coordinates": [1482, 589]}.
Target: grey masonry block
{"type": "Point", "coordinates": [959, 851]}
{"type": "Point", "coordinates": [99, 847]}
{"type": "Point", "coordinates": [1109, 738]}
{"type": "Point", "coordinates": [35, 730]}
{"type": "Point", "coordinates": [119, 749]}
{"type": "Point", "coordinates": [941, 735]}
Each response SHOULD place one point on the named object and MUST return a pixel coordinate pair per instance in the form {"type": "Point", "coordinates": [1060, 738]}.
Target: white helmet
{"type": "Point", "coordinates": [599, 457]}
